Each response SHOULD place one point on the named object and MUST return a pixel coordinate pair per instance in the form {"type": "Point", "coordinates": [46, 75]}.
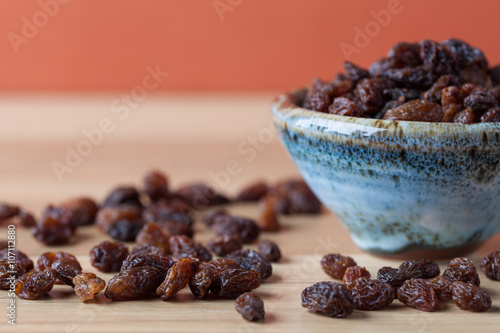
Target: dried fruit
{"type": "Point", "coordinates": [122, 196]}
{"type": "Point", "coordinates": [35, 284]}
{"type": "Point", "coordinates": [268, 221]}
{"type": "Point", "coordinates": [466, 116]}
{"type": "Point", "coordinates": [184, 247]}
{"type": "Point", "coordinates": [210, 216]}
{"type": "Point", "coordinates": [371, 294]}
{"type": "Point", "coordinates": [156, 185]}
{"type": "Point", "coordinates": [201, 196]}
{"type": "Point", "coordinates": [9, 272]}
{"type": "Point", "coordinates": [17, 256]}
{"type": "Point", "coordinates": [7, 211]}
{"type": "Point", "coordinates": [133, 283]}
{"type": "Point", "coordinates": [66, 269]}
{"type": "Point", "coordinates": [462, 269]}
{"type": "Point", "coordinates": [249, 259]}
{"type": "Point", "coordinates": [328, 298]}
{"type": "Point", "coordinates": [416, 110]}
{"type": "Point", "coordinates": [418, 294]}
{"type": "Point", "coordinates": [335, 264]}
{"type": "Point", "coordinates": [253, 192]}
{"type": "Point", "coordinates": [4, 244]}
{"type": "Point", "coordinates": [83, 210]}
{"type": "Point", "coordinates": [169, 210]}
{"type": "Point", "coordinates": [55, 227]}
{"type": "Point", "coordinates": [108, 256]}
{"type": "Point", "coordinates": [153, 234]}
{"type": "Point", "coordinates": [177, 277]}
{"type": "Point", "coordinates": [163, 264]}
{"type": "Point", "coordinates": [250, 306]}
{"type": "Point", "coordinates": [421, 268]}
{"type": "Point", "coordinates": [468, 296]}
{"type": "Point", "coordinates": [149, 249]}
{"type": "Point", "coordinates": [490, 265]}
{"type": "Point", "coordinates": [224, 244]}
{"type": "Point", "coordinates": [299, 197]}
{"type": "Point", "coordinates": [87, 285]}
{"type": "Point", "coordinates": [269, 250]}
{"type": "Point", "coordinates": [231, 283]}
{"type": "Point", "coordinates": [208, 272]}
{"type": "Point", "coordinates": [46, 259]}
{"type": "Point", "coordinates": [246, 229]}
{"type": "Point", "coordinates": [442, 287]}
{"type": "Point", "coordinates": [26, 219]}
{"type": "Point", "coordinates": [125, 230]}
{"type": "Point", "coordinates": [343, 106]}
{"type": "Point", "coordinates": [108, 216]}
{"type": "Point", "coordinates": [176, 228]}
{"type": "Point", "coordinates": [352, 273]}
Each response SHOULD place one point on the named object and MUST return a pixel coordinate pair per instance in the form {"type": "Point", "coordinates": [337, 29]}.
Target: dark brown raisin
{"type": "Point", "coordinates": [442, 287]}
{"type": "Point", "coordinates": [108, 256]}
{"type": "Point", "coordinates": [169, 210]}
{"type": "Point", "coordinates": [108, 216]}
{"type": "Point", "coordinates": [134, 283]}
{"type": "Point", "coordinates": [253, 192]}
{"type": "Point", "coordinates": [7, 211]}
{"type": "Point", "coordinates": [46, 259]}
{"type": "Point", "coordinates": [225, 244]}
{"type": "Point", "coordinates": [352, 273]}
{"type": "Point", "coordinates": [451, 102]}
{"type": "Point", "coordinates": [55, 227]}
{"type": "Point", "coordinates": [34, 284]}
{"type": "Point", "coordinates": [354, 72]}
{"type": "Point", "coordinates": [416, 110]}
{"type": "Point", "coordinates": [420, 268]}
{"type": "Point", "coordinates": [149, 249]}
{"type": "Point", "coordinates": [468, 296]}
{"type": "Point", "coordinates": [201, 196]}
{"type": "Point", "coordinates": [9, 272]}
{"type": "Point", "coordinates": [335, 264]}
{"type": "Point", "coordinates": [345, 107]}
{"type": "Point", "coordinates": [480, 101]}
{"type": "Point", "coordinates": [163, 264]}
{"type": "Point", "coordinates": [18, 256]}
{"type": "Point", "coordinates": [466, 116]}
{"type": "Point", "coordinates": [370, 94]}
{"type": "Point", "coordinates": [177, 277]}
{"type": "Point", "coordinates": [249, 259]}
{"type": "Point", "coordinates": [125, 230]}
{"type": "Point", "coordinates": [123, 195]}
{"type": "Point", "coordinates": [495, 74]}
{"type": "Point", "coordinates": [490, 265]}
{"type": "Point", "coordinates": [328, 298]}
{"type": "Point", "coordinates": [83, 210]}
{"type": "Point", "coordinates": [231, 283]}
{"type": "Point", "coordinates": [300, 197]}
{"type": "Point", "coordinates": [435, 92]}
{"type": "Point", "coordinates": [184, 247]}
{"type": "Point", "coordinates": [462, 269]}
{"type": "Point", "coordinates": [371, 294]}
{"type": "Point", "coordinates": [66, 269]}
{"type": "Point", "coordinates": [269, 250]}
{"type": "Point", "coordinates": [245, 228]}
{"type": "Point", "coordinates": [208, 272]}
{"type": "Point", "coordinates": [87, 285]}
{"type": "Point", "coordinates": [319, 96]}
{"type": "Point", "coordinates": [4, 244]}
{"type": "Point", "coordinates": [391, 276]}
{"type": "Point", "coordinates": [418, 294]}
{"type": "Point", "coordinates": [250, 306]}
{"type": "Point", "coordinates": [156, 185]}
{"type": "Point", "coordinates": [491, 116]}
{"type": "Point", "coordinates": [154, 234]}
{"type": "Point", "coordinates": [267, 220]}
{"type": "Point", "coordinates": [176, 228]}
{"type": "Point", "coordinates": [210, 216]}
{"type": "Point", "coordinates": [26, 219]}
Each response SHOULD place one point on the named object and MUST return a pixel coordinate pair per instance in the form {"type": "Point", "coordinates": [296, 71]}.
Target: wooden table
{"type": "Point", "coordinates": [191, 137]}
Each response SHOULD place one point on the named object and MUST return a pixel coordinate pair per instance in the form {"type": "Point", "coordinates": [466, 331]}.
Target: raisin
{"type": "Point", "coordinates": [34, 284]}
{"type": "Point", "coordinates": [491, 116]}
{"type": "Point", "coordinates": [4, 244]}
{"type": "Point", "coordinates": [231, 283]}
{"type": "Point", "coordinates": [26, 219]}
{"type": "Point", "coordinates": [184, 247]}
{"type": "Point", "coordinates": [345, 107]}
{"type": "Point", "coordinates": [224, 244]}
{"type": "Point", "coordinates": [108, 256]}
{"type": "Point", "coordinates": [300, 197]}
{"type": "Point", "coordinates": [319, 96]}
{"type": "Point", "coordinates": [133, 283]}
{"type": "Point", "coordinates": [442, 287]}
{"type": "Point", "coordinates": [163, 264]}
{"type": "Point", "coordinates": [490, 265]}
{"type": "Point", "coordinates": [249, 259]}
{"type": "Point", "coordinates": [280, 202]}
{"type": "Point", "coordinates": [352, 273]}
{"type": "Point", "coordinates": [208, 272]}
{"type": "Point", "coordinates": [418, 294]}
{"type": "Point", "coordinates": [250, 306]}
{"type": "Point", "coordinates": [451, 102]}
{"type": "Point", "coordinates": [252, 192]}
{"type": "Point", "coordinates": [466, 116]}
{"type": "Point", "coordinates": [7, 211]}
{"type": "Point", "coordinates": [17, 256]}
{"type": "Point", "coordinates": [9, 272]}
{"type": "Point", "coordinates": [480, 101]}
{"type": "Point", "coordinates": [123, 195]}
{"type": "Point", "coordinates": [156, 185]}
{"type": "Point", "coordinates": [83, 210]}
{"type": "Point", "coordinates": [210, 216]}
{"type": "Point", "coordinates": [416, 110]}
{"type": "Point", "coordinates": [164, 210]}
{"type": "Point", "coordinates": [176, 228]}
{"type": "Point", "coordinates": [201, 196]}
{"type": "Point", "coordinates": [246, 229]}
{"type": "Point", "coordinates": [335, 264]}
{"type": "Point", "coordinates": [153, 234]}
{"type": "Point", "coordinates": [468, 296]}
{"type": "Point", "coordinates": [354, 72]}
{"type": "Point", "coordinates": [371, 294]}
{"type": "Point", "coordinates": [125, 230]}
{"type": "Point", "coordinates": [495, 74]}
{"type": "Point", "coordinates": [328, 298]}
{"type": "Point", "coordinates": [267, 221]}
{"type": "Point", "coordinates": [421, 268]}
{"type": "Point", "coordinates": [435, 92]}
{"type": "Point", "coordinates": [149, 249]}
{"type": "Point", "coordinates": [462, 269]}
{"type": "Point", "coordinates": [108, 216]}
{"type": "Point", "coordinates": [46, 259]}
{"type": "Point", "coordinates": [391, 276]}
{"type": "Point", "coordinates": [269, 250]}
{"type": "Point", "coordinates": [87, 285]}
{"type": "Point", "coordinates": [369, 93]}
{"type": "Point", "coordinates": [177, 277]}
{"type": "Point", "coordinates": [55, 227]}
{"type": "Point", "coordinates": [66, 269]}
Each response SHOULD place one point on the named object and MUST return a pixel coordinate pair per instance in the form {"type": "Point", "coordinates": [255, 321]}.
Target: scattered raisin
{"type": "Point", "coordinates": [133, 283]}
{"type": "Point", "coordinates": [35, 284]}
{"type": "Point", "coordinates": [201, 196]}
{"type": "Point", "coordinates": [55, 227]}
{"type": "Point", "coordinates": [83, 210]}
{"type": "Point", "coordinates": [352, 273]}
{"type": "Point", "coordinates": [17, 256]}
{"type": "Point", "coordinates": [246, 229]}
{"type": "Point", "coordinates": [231, 283]}
{"type": "Point", "coordinates": [26, 219]}
{"type": "Point", "coordinates": [269, 250]}
{"type": "Point", "coordinates": [149, 249]}
{"type": "Point", "coordinates": [125, 230]}
{"type": "Point", "coordinates": [176, 228]}
{"type": "Point", "coordinates": [253, 192]}
{"type": "Point", "coordinates": [87, 285]}
{"type": "Point", "coordinates": [224, 244]}
{"type": "Point", "coordinates": [328, 298]}
{"type": "Point", "coordinates": [154, 234]}
{"type": "Point", "coordinates": [442, 287]}
{"type": "Point", "coordinates": [108, 256]}
{"type": "Point", "coordinates": [108, 216]}
{"type": "Point", "coordinates": [164, 210]}
{"type": "Point", "coordinates": [462, 269]}
{"type": "Point", "coordinates": [210, 216]}
{"type": "Point", "coordinates": [490, 265]}
{"type": "Point", "coordinates": [123, 195]}
{"type": "Point", "coordinates": [249, 259]}
{"type": "Point", "coordinates": [250, 306]}
{"type": "Point", "coordinates": [421, 268]}
{"type": "Point", "coordinates": [335, 264]}
{"type": "Point", "coordinates": [163, 264]}
{"type": "Point", "coordinates": [418, 294]}
{"type": "Point", "coordinates": [184, 247]}
{"type": "Point", "coordinates": [9, 272]}
{"type": "Point", "coordinates": [208, 272]}
{"type": "Point", "coordinates": [468, 296]}
{"type": "Point", "coordinates": [156, 185]}
{"type": "Point", "coordinates": [7, 211]}
{"type": "Point", "coordinates": [268, 221]}
{"type": "Point", "coordinates": [66, 269]}
{"type": "Point", "coordinates": [177, 277]}
{"type": "Point", "coordinates": [371, 294]}
{"type": "Point", "coordinates": [300, 198]}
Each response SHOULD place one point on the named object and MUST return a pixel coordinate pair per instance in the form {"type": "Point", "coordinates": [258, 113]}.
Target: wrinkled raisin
{"type": "Point", "coordinates": [371, 294]}
{"type": "Point", "coordinates": [369, 92]}
{"type": "Point", "coordinates": [391, 276]}
{"type": "Point", "coordinates": [184, 247]}
{"type": "Point", "coordinates": [133, 283]}
{"type": "Point", "coordinates": [177, 277]}
{"type": "Point", "coordinates": [418, 294]}
{"type": "Point", "coordinates": [352, 273]}
{"type": "Point", "coordinates": [328, 298]}
{"type": "Point", "coordinates": [108, 256]}
{"type": "Point", "coordinates": [123, 195]}
{"type": "Point", "coordinates": [153, 234]}
{"type": "Point", "coordinates": [46, 259]}
{"type": "Point", "coordinates": [108, 216]}
{"type": "Point", "coordinates": [354, 72]}
{"type": "Point", "coordinates": [34, 284]}
{"type": "Point", "coordinates": [83, 210]}
{"type": "Point", "coordinates": [435, 92]}
{"type": "Point", "coordinates": [176, 228]}
{"type": "Point", "coordinates": [201, 196]}
{"type": "Point", "coordinates": [9, 272]}
{"type": "Point", "coordinates": [442, 287]}
{"type": "Point", "coordinates": [246, 229]}
{"type": "Point", "coordinates": [232, 283]}
{"type": "Point", "coordinates": [249, 259]}
{"type": "Point", "coordinates": [87, 285]}
{"type": "Point", "coordinates": [26, 219]}
{"type": "Point", "coordinates": [166, 210]}
{"type": "Point", "coordinates": [451, 102]}
{"type": "Point", "coordinates": [416, 110]}
{"type": "Point", "coordinates": [343, 106]}
{"type": "Point", "coordinates": [55, 227]}
{"type": "Point", "coordinates": [421, 268]}
{"type": "Point", "coordinates": [250, 306]}
{"type": "Point", "coordinates": [208, 272]}
{"type": "Point", "coordinates": [163, 264]}
{"type": "Point", "coordinates": [490, 265]}
{"type": "Point", "coordinates": [466, 116]}
{"type": "Point", "coordinates": [210, 216]}
{"type": "Point", "coordinates": [269, 250]}
{"type": "Point", "coordinates": [462, 269]}
{"type": "Point", "coordinates": [66, 269]}
{"type": "Point", "coordinates": [156, 185]}
{"type": "Point", "coordinates": [267, 220]}
{"type": "Point", "coordinates": [491, 116]}
{"type": "Point", "coordinates": [253, 192]}
{"type": "Point", "coordinates": [224, 244]}
{"type": "Point", "coordinates": [125, 230]}
{"type": "Point", "coordinates": [149, 249]}
{"type": "Point", "coordinates": [468, 296]}
{"type": "Point", "coordinates": [18, 256]}
{"type": "Point", "coordinates": [335, 264]}
{"type": "Point", "coordinates": [300, 198]}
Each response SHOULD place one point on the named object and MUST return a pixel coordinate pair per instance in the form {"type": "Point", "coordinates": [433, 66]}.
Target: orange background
{"type": "Point", "coordinates": [259, 44]}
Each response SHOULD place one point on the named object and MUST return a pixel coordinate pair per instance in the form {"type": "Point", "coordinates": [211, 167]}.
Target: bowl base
{"type": "Point", "coordinates": [439, 254]}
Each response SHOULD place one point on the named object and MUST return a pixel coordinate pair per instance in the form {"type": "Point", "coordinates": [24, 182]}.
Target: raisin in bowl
{"type": "Point", "coordinates": [399, 186]}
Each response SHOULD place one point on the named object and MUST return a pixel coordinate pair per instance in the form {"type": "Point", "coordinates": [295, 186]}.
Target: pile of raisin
{"type": "Point", "coordinates": [428, 81]}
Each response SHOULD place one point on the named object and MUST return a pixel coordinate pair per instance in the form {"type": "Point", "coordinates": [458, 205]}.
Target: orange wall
{"type": "Point", "coordinates": [259, 44]}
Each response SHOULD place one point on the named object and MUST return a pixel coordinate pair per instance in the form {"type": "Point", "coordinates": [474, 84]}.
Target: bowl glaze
{"type": "Point", "coordinates": [398, 186]}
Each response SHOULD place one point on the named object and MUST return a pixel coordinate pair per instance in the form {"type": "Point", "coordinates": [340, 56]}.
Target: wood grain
{"type": "Point", "coordinates": [35, 131]}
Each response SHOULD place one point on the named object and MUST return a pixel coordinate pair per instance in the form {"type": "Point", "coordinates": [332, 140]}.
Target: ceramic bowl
{"type": "Point", "coordinates": [399, 187]}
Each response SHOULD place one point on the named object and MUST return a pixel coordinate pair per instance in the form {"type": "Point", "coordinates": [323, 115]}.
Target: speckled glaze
{"type": "Point", "coordinates": [397, 186]}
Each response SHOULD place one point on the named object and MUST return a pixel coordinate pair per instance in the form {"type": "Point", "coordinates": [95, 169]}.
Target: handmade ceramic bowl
{"type": "Point", "coordinates": [399, 187]}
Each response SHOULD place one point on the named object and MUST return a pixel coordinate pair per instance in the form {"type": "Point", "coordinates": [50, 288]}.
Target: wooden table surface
{"type": "Point", "coordinates": [191, 137]}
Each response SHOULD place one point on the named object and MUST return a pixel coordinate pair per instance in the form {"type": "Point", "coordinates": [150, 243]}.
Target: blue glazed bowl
{"type": "Point", "coordinates": [399, 187]}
